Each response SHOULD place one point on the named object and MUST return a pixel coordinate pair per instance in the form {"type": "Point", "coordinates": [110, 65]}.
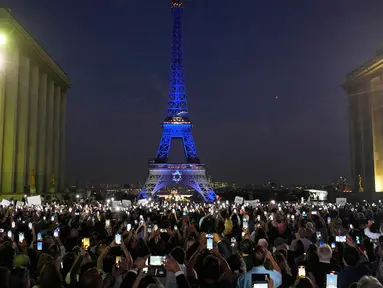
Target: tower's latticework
{"type": "Point", "coordinates": [177, 125]}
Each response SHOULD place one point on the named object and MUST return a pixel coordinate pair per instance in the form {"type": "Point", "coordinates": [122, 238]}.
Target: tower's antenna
{"type": "Point", "coordinates": [177, 105]}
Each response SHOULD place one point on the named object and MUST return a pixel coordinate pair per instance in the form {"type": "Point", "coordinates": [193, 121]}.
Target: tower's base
{"type": "Point", "coordinates": [191, 175]}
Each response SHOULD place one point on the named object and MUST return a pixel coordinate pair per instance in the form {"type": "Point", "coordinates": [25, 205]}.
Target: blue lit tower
{"type": "Point", "coordinates": [177, 125]}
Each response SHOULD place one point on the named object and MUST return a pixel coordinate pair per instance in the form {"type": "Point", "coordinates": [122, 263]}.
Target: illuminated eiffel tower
{"type": "Point", "coordinates": [177, 125]}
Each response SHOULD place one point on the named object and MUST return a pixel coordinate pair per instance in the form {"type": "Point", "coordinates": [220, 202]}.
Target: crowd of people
{"type": "Point", "coordinates": [182, 244]}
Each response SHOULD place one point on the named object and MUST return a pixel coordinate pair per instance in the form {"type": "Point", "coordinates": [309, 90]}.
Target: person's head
{"type": "Point", "coordinates": [259, 256]}
{"type": "Point", "coordinates": [235, 263]}
{"type": "Point", "coordinates": [246, 246]}
{"type": "Point", "coordinates": [282, 263]}
{"type": "Point", "coordinates": [263, 242]}
{"type": "Point", "coordinates": [211, 269]}
{"type": "Point", "coordinates": [178, 254]}
{"type": "Point", "coordinates": [19, 278]}
{"type": "Point", "coordinates": [50, 277]}
{"type": "Point", "coordinates": [368, 282]}
{"type": "Point", "coordinates": [4, 277]}
{"type": "Point", "coordinates": [91, 278]}
{"type": "Point", "coordinates": [299, 248]}
{"type": "Point", "coordinates": [280, 243]}
{"type": "Point", "coordinates": [7, 253]}
{"type": "Point", "coordinates": [312, 255]}
{"type": "Point", "coordinates": [324, 253]}
{"type": "Point", "coordinates": [350, 256]}
{"type": "Point", "coordinates": [43, 259]}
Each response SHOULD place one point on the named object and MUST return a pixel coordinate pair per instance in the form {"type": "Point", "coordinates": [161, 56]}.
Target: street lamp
{"type": "Point", "coordinates": [3, 39]}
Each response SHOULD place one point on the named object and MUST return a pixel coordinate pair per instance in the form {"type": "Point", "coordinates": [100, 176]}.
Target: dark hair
{"type": "Point", "coordinates": [351, 256]}
{"type": "Point", "coordinates": [235, 263]}
{"type": "Point", "coordinates": [50, 277]}
{"type": "Point", "coordinates": [246, 246]}
{"type": "Point", "coordinates": [178, 254]}
{"type": "Point", "coordinates": [19, 278]}
{"type": "Point", "coordinates": [300, 248]}
{"type": "Point", "coordinates": [4, 277]}
{"type": "Point", "coordinates": [210, 268]}
{"type": "Point", "coordinates": [259, 256]}
{"type": "Point", "coordinates": [7, 253]}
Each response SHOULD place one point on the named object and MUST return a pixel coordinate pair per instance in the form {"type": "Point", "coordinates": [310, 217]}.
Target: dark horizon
{"type": "Point", "coordinates": [263, 83]}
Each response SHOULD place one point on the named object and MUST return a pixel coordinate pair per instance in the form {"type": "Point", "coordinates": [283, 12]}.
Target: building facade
{"type": "Point", "coordinates": [33, 91]}
{"type": "Point", "coordinates": [364, 87]}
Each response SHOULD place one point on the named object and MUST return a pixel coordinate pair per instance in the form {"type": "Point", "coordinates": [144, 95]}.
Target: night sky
{"type": "Point", "coordinates": [263, 79]}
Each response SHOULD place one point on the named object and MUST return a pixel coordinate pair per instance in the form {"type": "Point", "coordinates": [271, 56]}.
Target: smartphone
{"type": "Point", "coordinates": [259, 280]}
{"type": "Point", "coordinates": [333, 245]}
{"type": "Point", "coordinates": [117, 239]}
{"type": "Point", "coordinates": [357, 239]}
{"type": "Point", "coordinates": [319, 235]}
{"type": "Point", "coordinates": [13, 224]}
{"type": "Point", "coordinates": [39, 246]}
{"type": "Point", "coordinates": [302, 272]}
{"type": "Point", "coordinates": [118, 260]}
{"type": "Point", "coordinates": [328, 220]}
{"type": "Point", "coordinates": [245, 225]}
{"type": "Point", "coordinates": [155, 227]}
{"type": "Point", "coordinates": [61, 265]}
{"type": "Point", "coordinates": [9, 234]}
{"type": "Point", "coordinates": [175, 227]}
{"type": "Point", "coordinates": [184, 213]}
{"type": "Point", "coordinates": [107, 223]}
{"type": "Point", "coordinates": [331, 280]}
{"type": "Point", "coordinates": [157, 260]}
{"type": "Point", "coordinates": [233, 242]}
{"type": "Point", "coordinates": [321, 243]}
{"type": "Point", "coordinates": [149, 229]}
{"type": "Point", "coordinates": [39, 237]}
{"type": "Point", "coordinates": [209, 241]}
{"type": "Point", "coordinates": [341, 239]}
{"type": "Point", "coordinates": [85, 243]}
{"type": "Point", "coordinates": [56, 232]}
{"type": "Point", "coordinates": [128, 227]}
{"type": "Point", "coordinates": [21, 237]}
{"type": "Point", "coordinates": [44, 218]}
{"type": "Point", "coordinates": [52, 218]}
{"type": "Point", "coordinates": [30, 226]}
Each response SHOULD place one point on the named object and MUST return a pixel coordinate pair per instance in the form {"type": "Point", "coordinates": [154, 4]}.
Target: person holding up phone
{"type": "Point", "coordinates": [259, 255]}
{"type": "Point", "coordinates": [318, 272]}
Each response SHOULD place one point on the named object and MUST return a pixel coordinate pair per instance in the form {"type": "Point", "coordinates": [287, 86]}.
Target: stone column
{"type": "Point", "coordinates": [56, 150]}
{"type": "Point", "coordinates": [42, 128]}
{"type": "Point", "coordinates": [376, 118]}
{"type": "Point", "coordinates": [10, 121]}
{"type": "Point", "coordinates": [2, 103]}
{"type": "Point", "coordinates": [33, 124]}
{"type": "Point", "coordinates": [22, 125]}
{"type": "Point", "coordinates": [49, 135]}
{"type": "Point", "coordinates": [62, 141]}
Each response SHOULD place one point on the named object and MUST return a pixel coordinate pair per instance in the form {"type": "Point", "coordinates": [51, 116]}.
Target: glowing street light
{"type": "Point", "coordinates": [3, 39]}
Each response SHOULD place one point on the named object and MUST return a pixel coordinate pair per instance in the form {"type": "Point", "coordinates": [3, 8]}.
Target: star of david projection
{"type": "Point", "coordinates": [177, 176]}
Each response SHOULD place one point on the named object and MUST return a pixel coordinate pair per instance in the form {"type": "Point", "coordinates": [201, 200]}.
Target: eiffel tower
{"type": "Point", "coordinates": [191, 173]}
